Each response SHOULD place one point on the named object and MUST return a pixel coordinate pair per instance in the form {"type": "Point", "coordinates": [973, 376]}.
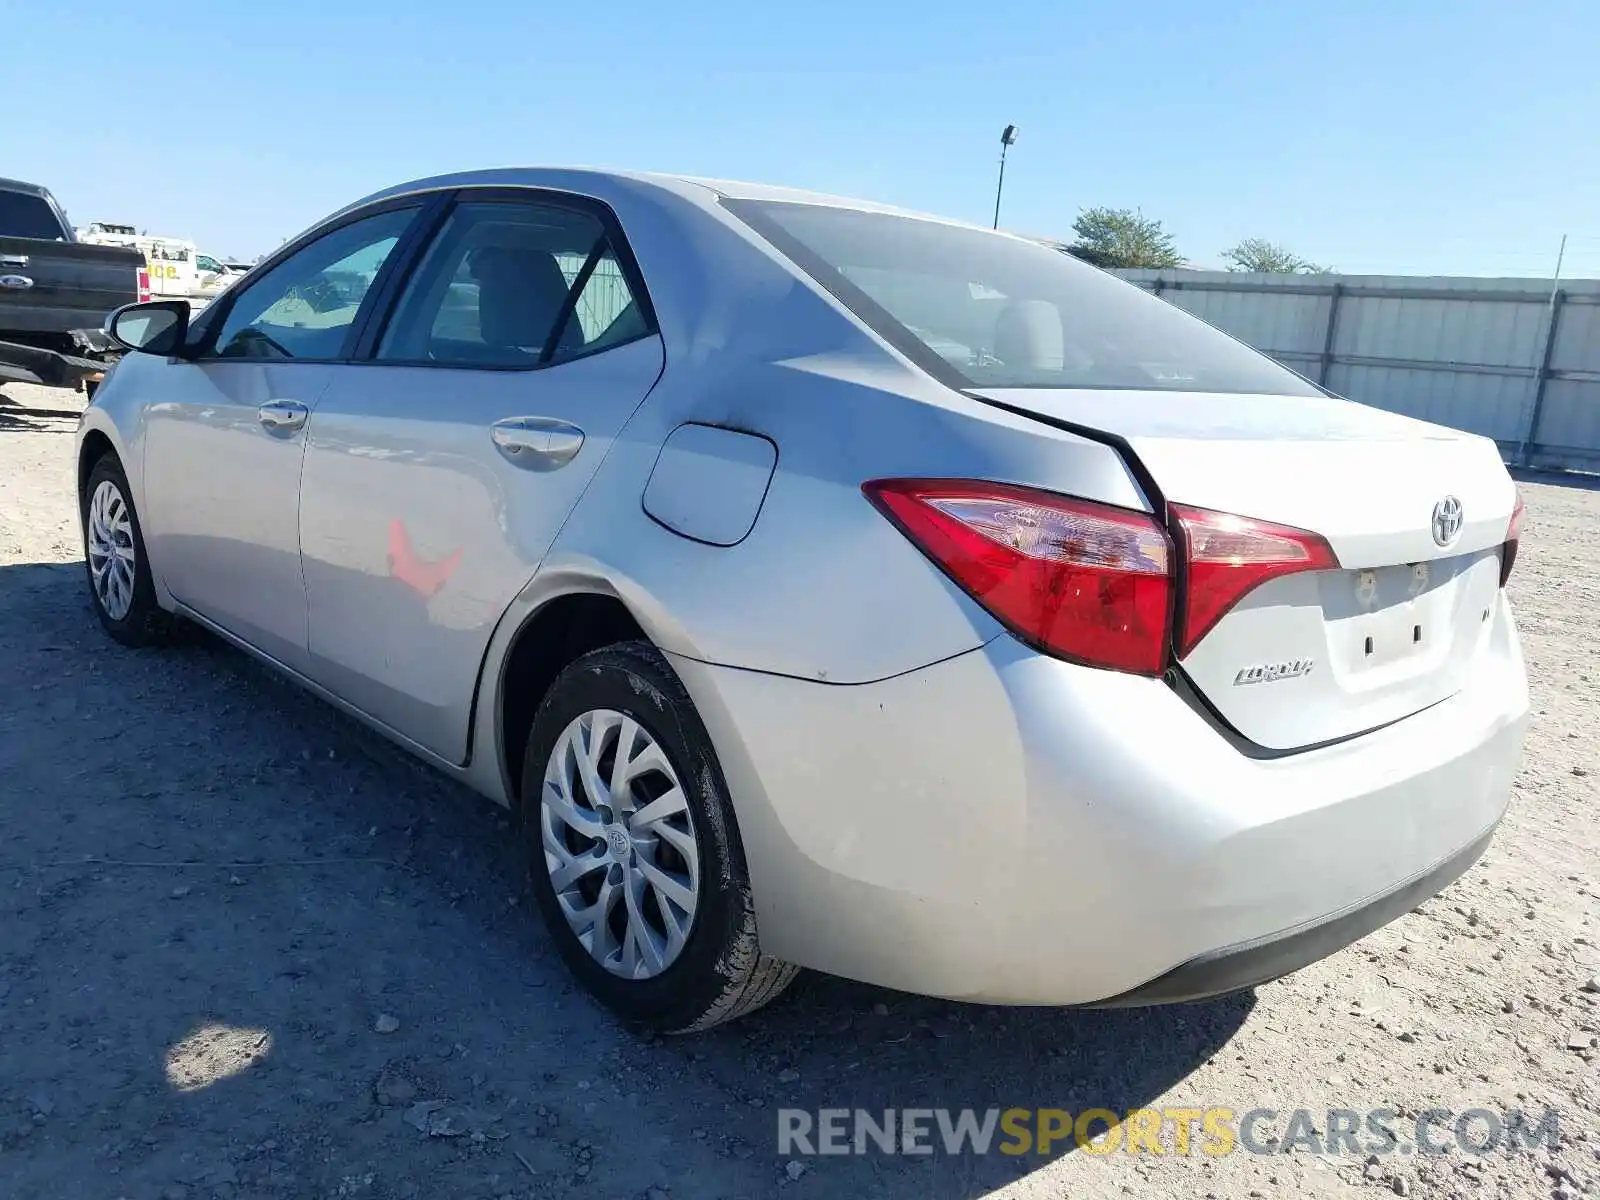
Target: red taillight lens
{"type": "Point", "coordinates": [1230, 556]}
{"type": "Point", "coordinates": [144, 285]}
{"type": "Point", "coordinates": [1083, 581]}
{"type": "Point", "coordinates": [1508, 549]}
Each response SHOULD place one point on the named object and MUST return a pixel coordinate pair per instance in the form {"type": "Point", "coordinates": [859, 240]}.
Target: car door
{"type": "Point", "coordinates": [226, 432]}
{"type": "Point", "coordinates": [438, 473]}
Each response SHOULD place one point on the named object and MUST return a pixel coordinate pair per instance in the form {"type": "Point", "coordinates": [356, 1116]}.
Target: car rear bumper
{"type": "Point", "coordinates": [1250, 964]}
{"type": "Point", "coordinates": [1008, 828]}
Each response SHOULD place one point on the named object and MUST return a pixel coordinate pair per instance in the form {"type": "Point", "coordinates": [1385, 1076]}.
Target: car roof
{"type": "Point", "coordinates": [702, 190]}
{"type": "Point", "coordinates": [740, 190]}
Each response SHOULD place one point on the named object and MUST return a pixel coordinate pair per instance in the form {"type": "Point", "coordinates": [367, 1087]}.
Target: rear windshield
{"type": "Point", "coordinates": [22, 215]}
{"type": "Point", "coordinates": [997, 311]}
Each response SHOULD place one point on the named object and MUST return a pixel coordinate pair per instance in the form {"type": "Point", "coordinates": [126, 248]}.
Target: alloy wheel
{"type": "Point", "coordinates": [113, 561]}
{"type": "Point", "coordinates": [619, 843]}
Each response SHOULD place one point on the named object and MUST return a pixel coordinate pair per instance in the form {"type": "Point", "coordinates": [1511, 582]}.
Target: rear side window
{"type": "Point", "coordinates": [24, 215]}
{"type": "Point", "coordinates": [997, 311]}
{"type": "Point", "coordinates": [604, 312]}
{"type": "Point", "coordinates": [508, 284]}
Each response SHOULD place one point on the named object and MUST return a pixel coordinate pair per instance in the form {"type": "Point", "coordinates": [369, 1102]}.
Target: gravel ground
{"type": "Point", "coordinates": [191, 1008]}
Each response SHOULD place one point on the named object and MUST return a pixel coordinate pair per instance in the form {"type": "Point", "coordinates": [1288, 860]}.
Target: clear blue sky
{"type": "Point", "coordinates": [1456, 137]}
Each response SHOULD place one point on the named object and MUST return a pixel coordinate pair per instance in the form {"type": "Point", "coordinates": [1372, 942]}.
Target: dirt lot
{"type": "Point", "coordinates": [216, 893]}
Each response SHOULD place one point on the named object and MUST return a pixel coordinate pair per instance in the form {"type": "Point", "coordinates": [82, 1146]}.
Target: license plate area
{"type": "Point", "coordinates": [1395, 627]}
{"type": "Point", "coordinates": [1399, 613]}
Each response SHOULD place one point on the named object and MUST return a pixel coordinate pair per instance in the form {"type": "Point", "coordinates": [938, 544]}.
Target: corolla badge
{"type": "Point", "coordinates": [17, 283]}
{"type": "Point", "coordinates": [1447, 520]}
{"type": "Point", "coordinates": [1272, 672]}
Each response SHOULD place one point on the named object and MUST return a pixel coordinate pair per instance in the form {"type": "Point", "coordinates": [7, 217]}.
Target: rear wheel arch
{"type": "Point", "coordinates": [558, 632]}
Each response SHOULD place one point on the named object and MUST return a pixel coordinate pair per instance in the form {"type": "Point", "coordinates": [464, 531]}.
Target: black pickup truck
{"type": "Point", "coordinates": [56, 291]}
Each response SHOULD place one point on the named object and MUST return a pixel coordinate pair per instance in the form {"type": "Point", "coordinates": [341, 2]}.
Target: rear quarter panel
{"type": "Point", "coordinates": [823, 587]}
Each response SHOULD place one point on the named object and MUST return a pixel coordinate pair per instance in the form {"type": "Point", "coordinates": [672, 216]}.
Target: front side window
{"type": "Point", "coordinates": [304, 307]}
{"type": "Point", "coordinates": [499, 279]}
{"type": "Point", "coordinates": [998, 311]}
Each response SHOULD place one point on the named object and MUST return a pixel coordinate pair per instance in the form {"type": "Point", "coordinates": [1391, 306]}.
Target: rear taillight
{"type": "Point", "coordinates": [1508, 549]}
{"type": "Point", "coordinates": [1091, 582]}
{"type": "Point", "coordinates": [144, 285]}
{"type": "Point", "coordinates": [1228, 557]}
{"type": "Point", "coordinates": [1083, 581]}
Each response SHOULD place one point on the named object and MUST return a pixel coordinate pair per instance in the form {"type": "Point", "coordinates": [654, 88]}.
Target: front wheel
{"type": "Point", "coordinates": [120, 586]}
{"type": "Point", "coordinates": [636, 860]}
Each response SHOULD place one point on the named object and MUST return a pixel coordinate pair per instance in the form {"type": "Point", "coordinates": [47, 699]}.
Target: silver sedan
{"type": "Point", "coordinates": [832, 586]}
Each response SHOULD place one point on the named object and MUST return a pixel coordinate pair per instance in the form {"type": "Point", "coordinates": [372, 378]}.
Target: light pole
{"type": "Point", "coordinates": [1008, 137]}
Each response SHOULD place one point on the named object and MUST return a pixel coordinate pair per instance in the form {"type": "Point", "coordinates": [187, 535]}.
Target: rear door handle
{"type": "Point", "coordinates": [282, 416]}
{"type": "Point", "coordinates": [537, 443]}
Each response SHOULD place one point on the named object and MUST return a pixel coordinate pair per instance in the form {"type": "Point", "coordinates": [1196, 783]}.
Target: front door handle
{"type": "Point", "coordinates": [282, 416]}
{"type": "Point", "coordinates": [537, 443]}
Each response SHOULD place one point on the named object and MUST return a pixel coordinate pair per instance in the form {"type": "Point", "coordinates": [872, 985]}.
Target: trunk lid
{"type": "Point", "coordinates": [1322, 655]}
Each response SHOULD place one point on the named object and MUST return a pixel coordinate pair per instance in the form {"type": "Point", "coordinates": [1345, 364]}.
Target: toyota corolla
{"type": "Point", "coordinates": [825, 585]}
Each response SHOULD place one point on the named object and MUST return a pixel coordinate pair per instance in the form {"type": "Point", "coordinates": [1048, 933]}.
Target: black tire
{"type": "Point", "coordinates": [145, 623]}
{"type": "Point", "coordinates": [720, 973]}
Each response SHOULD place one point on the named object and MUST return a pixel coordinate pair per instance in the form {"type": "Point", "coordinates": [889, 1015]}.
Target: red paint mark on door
{"type": "Point", "coordinates": [424, 578]}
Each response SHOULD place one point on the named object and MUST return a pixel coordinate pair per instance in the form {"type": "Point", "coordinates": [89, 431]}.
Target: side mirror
{"type": "Point", "coordinates": [155, 327]}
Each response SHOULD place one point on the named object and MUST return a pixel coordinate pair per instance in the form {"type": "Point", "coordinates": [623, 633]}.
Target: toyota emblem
{"type": "Point", "coordinates": [1447, 520]}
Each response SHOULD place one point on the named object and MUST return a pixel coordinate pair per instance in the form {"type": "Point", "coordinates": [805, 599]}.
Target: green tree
{"type": "Point", "coordinates": [1122, 237]}
{"type": "Point", "coordinates": [1258, 254]}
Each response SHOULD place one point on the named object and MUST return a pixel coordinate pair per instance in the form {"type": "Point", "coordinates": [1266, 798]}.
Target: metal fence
{"type": "Point", "coordinates": [1512, 359]}
{"type": "Point", "coordinates": [604, 296]}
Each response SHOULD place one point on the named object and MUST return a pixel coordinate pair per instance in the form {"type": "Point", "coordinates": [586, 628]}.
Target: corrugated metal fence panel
{"type": "Point", "coordinates": [1469, 353]}
{"type": "Point", "coordinates": [1289, 324]}
{"type": "Point", "coordinates": [1569, 424]}
{"type": "Point", "coordinates": [1577, 345]}
{"type": "Point", "coordinates": [1464, 334]}
{"type": "Point", "coordinates": [1496, 406]}
{"type": "Point", "coordinates": [1493, 332]}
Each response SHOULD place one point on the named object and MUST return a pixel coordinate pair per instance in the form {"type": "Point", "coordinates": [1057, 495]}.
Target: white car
{"type": "Point", "coordinates": [831, 586]}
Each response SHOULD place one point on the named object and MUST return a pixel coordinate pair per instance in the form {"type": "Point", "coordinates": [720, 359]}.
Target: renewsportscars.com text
{"type": "Point", "coordinates": [1177, 1131]}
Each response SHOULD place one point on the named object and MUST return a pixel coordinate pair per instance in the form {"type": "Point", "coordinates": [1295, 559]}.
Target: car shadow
{"type": "Point", "coordinates": [215, 885]}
